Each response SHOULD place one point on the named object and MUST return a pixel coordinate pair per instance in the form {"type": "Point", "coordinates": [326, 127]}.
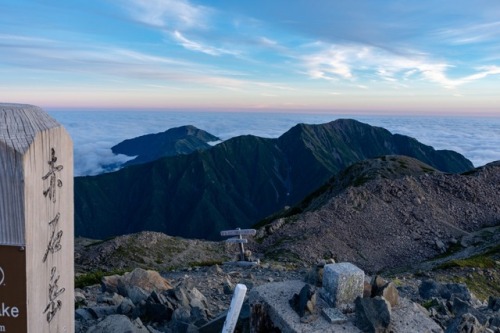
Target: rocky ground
{"type": "Point", "coordinates": [197, 294]}
{"type": "Point", "coordinates": [381, 221]}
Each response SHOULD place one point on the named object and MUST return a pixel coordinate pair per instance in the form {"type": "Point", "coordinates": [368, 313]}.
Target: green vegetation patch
{"type": "Point", "coordinates": [480, 285]}
{"type": "Point", "coordinates": [92, 278]}
{"type": "Point", "coordinates": [480, 272]}
{"type": "Point", "coordinates": [483, 260]}
{"type": "Point", "coordinates": [476, 262]}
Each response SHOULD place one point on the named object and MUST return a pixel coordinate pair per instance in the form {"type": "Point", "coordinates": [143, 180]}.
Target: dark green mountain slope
{"type": "Point", "coordinates": [237, 182]}
{"type": "Point", "coordinates": [175, 141]}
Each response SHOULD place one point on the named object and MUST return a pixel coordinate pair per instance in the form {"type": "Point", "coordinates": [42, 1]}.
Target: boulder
{"type": "Point", "coordinates": [102, 311]}
{"type": "Point", "coordinates": [410, 317]}
{"type": "Point", "coordinates": [305, 301]}
{"type": "Point", "coordinates": [372, 314]}
{"type": "Point", "coordinates": [342, 283]}
{"type": "Point", "coordinates": [466, 323]}
{"type": "Point", "coordinates": [430, 288]}
{"type": "Point", "coordinates": [385, 289]}
{"type": "Point", "coordinates": [377, 284]}
{"type": "Point", "coordinates": [118, 324]}
{"type": "Point", "coordinates": [494, 303]}
{"type": "Point", "coordinates": [146, 280]}
{"type": "Point", "coordinates": [134, 293]}
{"type": "Point", "coordinates": [391, 294]}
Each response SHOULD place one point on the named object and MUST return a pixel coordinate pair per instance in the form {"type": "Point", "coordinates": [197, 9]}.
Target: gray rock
{"type": "Point", "coordinates": [103, 311]}
{"type": "Point", "coordinates": [199, 316]}
{"type": "Point", "coordinates": [459, 306]}
{"type": "Point", "coordinates": [385, 289]}
{"type": "Point", "coordinates": [135, 293]}
{"type": "Point", "coordinates": [83, 314]}
{"type": "Point", "coordinates": [228, 287]}
{"type": "Point", "coordinates": [342, 283]}
{"type": "Point", "coordinates": [181, 314]}
{"type": "Point", "coordinates": [118, 324]}
{"type": "Point", "coordinates": [372, 314]}
{"type": "Point", "coordinates": [431, 288]}
{"type": "Point", "coordinates": [126, 307]}
{"type": "Point", "coordinates": [158, 312]}
{"type": "Point", "coordinates": [80, 297]}
{"type": "Point", "coordinates": [197, 299]}
{"type": "Point", "coordinates": [377, 284]}
{"type": "Point", "coordinates": [305, 301]}
{"type": "Point", "coordinates": [178, 295]}
{"type": "Point", "coordinates": [494, 322]}
{"type": "Point", "coordinates": [110, 298]}
{"type": "Point", "coordinates": [334, 316]}
{"type": "Point", "coordinates": [390, 293]}
{"type": "Point", "coordinates": [494, 303]}
{"type": "Point", "coordinates": [466, 323]}
{"type": "Point", "coordinates": [440, 246]}
{"type": "Point", "coordinates": [409, 317]}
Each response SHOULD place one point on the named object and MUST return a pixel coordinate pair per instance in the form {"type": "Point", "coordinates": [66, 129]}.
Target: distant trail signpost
{"type": "Point", "coordinates": [36, 223]}
{"type": "Point", "coordinates": [239, 239]}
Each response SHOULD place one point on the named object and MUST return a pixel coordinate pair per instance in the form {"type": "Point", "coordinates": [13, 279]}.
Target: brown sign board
{"type": "Point", "coordinates": [13, 316]}
{"type": "Point", "coordinates": [237, 232]}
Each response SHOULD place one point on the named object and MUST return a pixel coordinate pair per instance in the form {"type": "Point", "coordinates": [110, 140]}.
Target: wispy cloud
{"type": "Point", "coordinates": [172, 14]}
{"type": "Point", "coordinates": [471, 34]}
{"type": "Point", "coordinates": [354, 62]}
{"type": "Point", "coordinates": [200, 47]}
{"type": "Point", "coordinates": [61, 57]}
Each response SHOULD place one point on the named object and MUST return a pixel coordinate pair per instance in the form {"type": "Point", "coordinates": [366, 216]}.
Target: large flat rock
{"type": "Point", "coordinates": [269, 304]}
{"type": "Point", "coordinates": [273, 299]}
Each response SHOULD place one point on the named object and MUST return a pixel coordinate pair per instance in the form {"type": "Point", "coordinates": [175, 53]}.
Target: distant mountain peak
{"type": "Point", "coordinates": [174, 141]}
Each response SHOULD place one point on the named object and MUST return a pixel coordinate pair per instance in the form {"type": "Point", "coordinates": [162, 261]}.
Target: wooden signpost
{"type": "Point", "coordinates": [36, 223]}
{"type": "Point", "coordinates": [239, 240]}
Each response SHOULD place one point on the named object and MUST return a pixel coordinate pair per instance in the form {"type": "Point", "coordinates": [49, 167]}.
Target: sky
{"type": "Point", "coordinates": [405, 57]}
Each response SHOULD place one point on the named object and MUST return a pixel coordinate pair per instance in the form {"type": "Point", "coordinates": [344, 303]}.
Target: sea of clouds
{"type": "Point", "coordinates": [95, 132]}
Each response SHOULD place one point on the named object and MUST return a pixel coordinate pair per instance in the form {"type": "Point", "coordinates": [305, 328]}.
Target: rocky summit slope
{"type": "Point", "coordinates": [393, 212]}
{"type": "Point", "coordinates": [236, 183]}
{"type": "Point", "coordinates": [196, 298]}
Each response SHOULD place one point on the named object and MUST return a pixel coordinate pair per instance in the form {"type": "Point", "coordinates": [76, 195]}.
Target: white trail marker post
{"type": "Point", "coordinates": [36, 223]}
{"type": "Point", "coordinates": [234, 309]}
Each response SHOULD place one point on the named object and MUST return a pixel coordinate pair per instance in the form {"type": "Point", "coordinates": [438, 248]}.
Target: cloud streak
{"type": "Point", "coordinates": [352, 62]}
{"type": "Point", "coordinates": [61, 57]}
{"type": "Point", "coordinates": [199, 47]}
{"type": "Point", "coordinates": [171, 14]}
{"type": "Point", "coordinates": [471, 34]}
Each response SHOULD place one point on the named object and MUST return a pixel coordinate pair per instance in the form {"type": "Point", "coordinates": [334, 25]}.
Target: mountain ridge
{"type": "Point", "coordinates": [174, 141]}
{"type": "Point", "coordinates": [233, 184]}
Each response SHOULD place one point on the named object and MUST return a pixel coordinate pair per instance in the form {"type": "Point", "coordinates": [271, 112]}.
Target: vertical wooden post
{"type": "Point", "coordinates": [36, 223]}
{"type": "Point", "coordinates": [242, 249]}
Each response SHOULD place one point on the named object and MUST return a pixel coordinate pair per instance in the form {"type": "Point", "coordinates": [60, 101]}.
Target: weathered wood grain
{"type": "Point", "coordinates": [36, 211]}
